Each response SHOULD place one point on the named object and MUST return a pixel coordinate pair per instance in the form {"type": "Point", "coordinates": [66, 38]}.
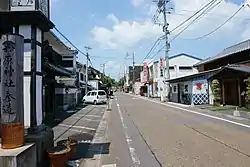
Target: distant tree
{"type": "Point", "coordinates": [121, 81]}
{"type": "Point", "coordinates": [108, 81]}
{"type": "Point", "coordinates": [216, 92]}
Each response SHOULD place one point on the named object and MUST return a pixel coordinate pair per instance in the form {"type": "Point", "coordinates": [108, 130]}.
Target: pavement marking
{"type": "Point", "coordinates": [133, 155]}
{"type": "Point", "coordinates": [110, 165]}
{"type": "Point", "coordinates": [90, 119]}
{"type": "Point", "coordinates": [97, 116]}
{"type": "Point", "coordinates": [96, 161]}
{"type": "Point", "coordinates": [80, 127]}
{"type": "Point", "coordinates": [198, 113]}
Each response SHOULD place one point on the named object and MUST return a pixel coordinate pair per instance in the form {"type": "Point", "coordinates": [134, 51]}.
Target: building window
{"type": "Point", "coordinates": [171, 67]}
{"type": "Point", "coordinates": [161, 72]}
{"type": "Point", "coordinates": [175, 89]}
{"type": "Point", "coordinates": [186, 88]}
{"type": "Point", "coordinates": [185, 68]}
{"type": "Point", "coordinates": [81, 77]}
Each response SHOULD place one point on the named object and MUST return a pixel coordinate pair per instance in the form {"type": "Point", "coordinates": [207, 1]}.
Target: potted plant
{"type": "Point", "coordinates": [71, 144]}
{"type": "Point", "coordinates": [58, 156]}
{"type": "Point", "coordinates": [247, 95]}
{"type": "Point", "coordinates": [216, 92]}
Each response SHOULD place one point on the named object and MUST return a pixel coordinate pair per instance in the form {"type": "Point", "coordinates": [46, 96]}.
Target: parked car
{"type": "Point", "coordinates": [96, 97]}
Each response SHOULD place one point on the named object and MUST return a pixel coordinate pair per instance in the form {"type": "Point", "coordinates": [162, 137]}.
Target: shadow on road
{"type": "Point", "coordinates": [54, 119]}
{"type": "Point", "coordinates": [86, 149]}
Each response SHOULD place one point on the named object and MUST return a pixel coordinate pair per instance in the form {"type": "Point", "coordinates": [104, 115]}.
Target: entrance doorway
{"type": "Point", "coordinates": [231, 92]}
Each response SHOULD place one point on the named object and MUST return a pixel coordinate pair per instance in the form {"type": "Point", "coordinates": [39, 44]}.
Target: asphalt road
{"type": "Point", "coordinates": [149, 134]}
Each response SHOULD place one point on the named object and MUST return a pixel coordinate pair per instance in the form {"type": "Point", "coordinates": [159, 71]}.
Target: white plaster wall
{"type": "Point", "coordinates": [26, 93]}
{"type": "Point", "coordinates": [187, 72]}
{"type": "Point", "coordinates": [93, 83]}
{"type": "Point", "coordinates": [25, 30]}
{"type": "Point", "coordinates": [182, 61]}
{"type": "Point", "coordinates": [38, 59]}
{"type": "Point", "coordinates": [56, 45]}
{"type": "Point", "coordinates": [137, 88]}
{"type": "Point", "coordinates": [173, 73]}
{"type": "Point", "coordinates": [39, 35]}
{"type": "Point", "coordinates": [27, 57]}
{"type": "Point", "coordinates": [39, 109]}
{"type": "Point", "coordinates": [211, 95]}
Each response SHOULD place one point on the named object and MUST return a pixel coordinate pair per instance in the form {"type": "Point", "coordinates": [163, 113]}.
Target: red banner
{"type": "Point", "coordinates": [161, 63]}
{"type": "Point", "coordinates": [145, 70]}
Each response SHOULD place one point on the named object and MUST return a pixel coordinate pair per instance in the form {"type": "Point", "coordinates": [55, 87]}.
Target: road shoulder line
{"type": "Point", "coordinates": [194, 112]}
{"type": "Point", "coordinates": [100, 137]}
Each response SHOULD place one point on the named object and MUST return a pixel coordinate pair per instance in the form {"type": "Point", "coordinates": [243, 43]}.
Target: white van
{"type": "Point", "coordinates": [96, 97]}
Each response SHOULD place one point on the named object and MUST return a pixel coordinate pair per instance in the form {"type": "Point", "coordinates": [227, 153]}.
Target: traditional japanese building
{"type": "Point", "coordinates": [31, 20]}
{"type": "Point", "coordinates": [230, 67]}
{"type": "Point", "coordinates": [57, 66]}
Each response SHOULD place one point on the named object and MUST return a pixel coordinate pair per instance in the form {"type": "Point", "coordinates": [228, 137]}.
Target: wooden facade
{"type": "Point", "coordinates": [235, 68]}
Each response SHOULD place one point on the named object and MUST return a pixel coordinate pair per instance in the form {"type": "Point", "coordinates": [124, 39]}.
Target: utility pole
{"type": "Point", "coordinates": [133, 72]}
{"type": "Point", "coordinates": [103, 68]}
{"type": "Point", "coordinates": [162, 9]}
{"type": "Point", "coordinates": [87, 78]}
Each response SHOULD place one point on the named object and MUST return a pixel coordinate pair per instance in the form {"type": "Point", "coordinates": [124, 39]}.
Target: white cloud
{"type": "Point", "coordinates": [128, 33]}
{"type": "Point", "coordinates": [211, 20]}
{"type": "Point", "coordinates": [112, 65]}
{"type": "Point", "coordinates": [137, 3]}
{"type": "Point", "coordinates": [113, 18]}
{"type": "Point", "coordinates": [124, 33]}
{"type": "Point", "coordinates": [208, 22]}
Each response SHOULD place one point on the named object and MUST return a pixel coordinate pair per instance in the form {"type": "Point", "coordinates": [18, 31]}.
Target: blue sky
{"type": "Point", "coordinates": [114, 27]}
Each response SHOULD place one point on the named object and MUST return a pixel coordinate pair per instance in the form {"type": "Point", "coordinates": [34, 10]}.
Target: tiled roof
{"type": "Point", "coordinates": [184, 54]}
{"type": "Point", "coordinates": [241, 68]}
{"type": "Point", "coordinates": [245, 45]}
{"type": "Point", "coordinates": [245, 69]}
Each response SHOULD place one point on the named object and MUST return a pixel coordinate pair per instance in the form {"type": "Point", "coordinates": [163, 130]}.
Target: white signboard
{"type": "Point", "coordinates": [28, 5]}
{"type": "Point", "coordinates": [200, 86]}
{"type": "Point", "coordinates": [22, 5]}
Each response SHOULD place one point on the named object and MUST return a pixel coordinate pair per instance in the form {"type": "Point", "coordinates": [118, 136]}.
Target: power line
{"type": "Point", "coordinates": [99, 57]}
{"type": "Point", "coordinates": [208, 8]}
{"type": "Point", "coordinates": [225, 22]}
{"type": "Point", "coordinates": [162, 37]}
{"type": "Point", "coordinates": [161, 49]}
{"type": "Point", "coordinates": [72, 44]}
{"type": "Point", "coordinates": [157, 42]}
{"type": "Point", "coordinates": [189, 18]}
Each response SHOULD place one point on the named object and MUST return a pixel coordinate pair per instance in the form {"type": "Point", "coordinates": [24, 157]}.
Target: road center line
{"type": "Point", "coordinates": [198, 113]}
{"type": "Point", "coordinates": [133, 155]}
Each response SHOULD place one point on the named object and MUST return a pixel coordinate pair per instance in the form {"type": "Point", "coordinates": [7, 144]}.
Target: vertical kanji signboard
{"type": "Point", "coordinates": [12, 114]}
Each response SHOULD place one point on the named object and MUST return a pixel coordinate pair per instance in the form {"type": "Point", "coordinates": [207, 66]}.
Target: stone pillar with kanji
{"type": "Point", "coordinates": [12, 113]}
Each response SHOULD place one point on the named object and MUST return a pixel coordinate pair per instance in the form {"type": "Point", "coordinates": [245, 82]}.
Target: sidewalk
{"type": "Point", "coordinates": [80, 126]}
